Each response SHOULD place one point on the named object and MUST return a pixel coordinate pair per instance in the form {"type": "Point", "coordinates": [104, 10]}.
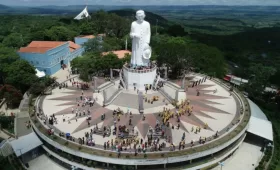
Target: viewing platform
{"type": "Point", "coordinates": [139, 77]}
{"type": "Point", "coordinates": [140, 69]}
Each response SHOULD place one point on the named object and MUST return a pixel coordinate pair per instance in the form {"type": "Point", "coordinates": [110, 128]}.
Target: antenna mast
{"type": "Point", "coordinates": [126, 44]}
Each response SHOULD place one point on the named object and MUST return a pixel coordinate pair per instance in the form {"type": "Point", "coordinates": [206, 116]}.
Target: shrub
{"type": "Point", "coordinates": [69, 157]}
{"type": "Point", "coordinates": [89, 163]}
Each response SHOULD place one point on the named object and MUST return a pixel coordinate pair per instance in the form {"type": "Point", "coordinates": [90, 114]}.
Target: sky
{"type": "Point", "coordinates": [139, 2]}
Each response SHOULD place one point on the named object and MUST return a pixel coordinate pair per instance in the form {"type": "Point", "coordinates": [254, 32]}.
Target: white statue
{"type": "Point", "coordinates": [140, 33]}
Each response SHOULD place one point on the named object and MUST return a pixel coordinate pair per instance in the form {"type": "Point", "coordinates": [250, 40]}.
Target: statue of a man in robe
{"type": "Point", "coordinates": [140, 33]}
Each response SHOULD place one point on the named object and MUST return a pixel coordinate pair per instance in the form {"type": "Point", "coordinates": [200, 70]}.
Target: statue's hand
{"type": "Point", "coordinates": [136, 36]}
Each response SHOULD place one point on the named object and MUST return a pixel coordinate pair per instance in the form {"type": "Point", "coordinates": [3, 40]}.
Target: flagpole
{"type": "Point", "coordinates": [126, 44]}
{"type": "Point", "coordinates": [156, 26]}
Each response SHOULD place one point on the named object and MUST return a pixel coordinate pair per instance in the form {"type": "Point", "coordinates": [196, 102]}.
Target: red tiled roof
{"type": "Point", "coordinates": [44, 46]}
{"type": "Point", "coordinates": [73, 46]}
{"type": "Point", "coordinates": [87, 36]}
{"type": "Point", "coordinates": [40, 46]}
{"type": "Point", "coordinates": [119, 53]}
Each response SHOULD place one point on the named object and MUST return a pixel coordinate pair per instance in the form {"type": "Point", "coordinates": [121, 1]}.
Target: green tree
{"type": "Point", "coordinates": [181, 54]}
{"type": "Point", "coordinates": [14, 40]}
{"type": "Point", "coordinates": [60, 33]}
{"type": "Point", "coordinates": [260, 75]}
{"type": "Point", "coordinates": [37, 88]}
{"type": "Point", "coordinates": [21, 75]}
{"type": "Point", "coordinates": [7, 57]}
{"type": "Point", "coordinates": [98, 46]}
{"type": "Point", "coordinates": [11, 94]}
{"type": "Point", "coordinates": [109, 61]}
{"type": "Point", "coordinates": [174, 53]}
{"type": "Point", "coordinates": [85, 65]}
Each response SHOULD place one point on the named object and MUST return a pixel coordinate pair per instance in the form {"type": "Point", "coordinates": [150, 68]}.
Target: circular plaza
{"type": "Point", "coordinates": [107, 122]}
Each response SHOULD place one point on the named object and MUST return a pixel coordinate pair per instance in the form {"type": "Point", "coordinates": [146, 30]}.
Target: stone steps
{"type": "Point", "coordinates": [112, 98]}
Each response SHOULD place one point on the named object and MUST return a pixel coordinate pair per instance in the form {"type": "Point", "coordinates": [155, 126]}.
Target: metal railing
{"type": "Point", "coordinates": [144, 70]}
{"type": "Point", "coordinates": [216, 144]}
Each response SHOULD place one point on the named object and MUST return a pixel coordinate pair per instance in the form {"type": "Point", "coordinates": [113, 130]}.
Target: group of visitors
{"type": "Point", "coordinates": [150, 66]}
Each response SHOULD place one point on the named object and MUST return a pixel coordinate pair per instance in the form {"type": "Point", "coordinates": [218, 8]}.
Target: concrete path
{"type": "Point", "coordinates": [43, 162]}
{"type": "Point", "coordinates": [217, 109]}
{"type": "Point", "coordinates": [245, 158]}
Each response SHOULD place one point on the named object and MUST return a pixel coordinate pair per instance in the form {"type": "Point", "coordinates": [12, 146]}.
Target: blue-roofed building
{"type": "Point", "coordinates": [50, 56]}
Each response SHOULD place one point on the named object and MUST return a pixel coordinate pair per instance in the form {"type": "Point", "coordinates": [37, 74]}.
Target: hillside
{"type": "Point", "coordinates": [150, 17]}
{"type": "Point", "coordinates": [3, 7]}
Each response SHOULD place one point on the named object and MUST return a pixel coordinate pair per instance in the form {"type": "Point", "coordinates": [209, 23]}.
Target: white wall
{"type": "Point", "coordinates": [139, 78]}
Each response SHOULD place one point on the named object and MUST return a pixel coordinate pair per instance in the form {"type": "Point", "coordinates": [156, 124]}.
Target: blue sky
{"type": "Point", "coordinates": [139, 2]}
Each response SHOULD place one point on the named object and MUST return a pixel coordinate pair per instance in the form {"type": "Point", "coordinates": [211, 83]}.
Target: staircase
{"type": "Point", "coordinates": [109, 100]}
{"type": "Point", "coordinates": [121, 79]}
{"type": "Point", "coordinates": [105, 86]}
{"type": "Point", "coordinates": [141, 102]}
{"type": "Point", "coordinates": [167, 96]}
{"type": "Point", "coordinates": [156, 81]}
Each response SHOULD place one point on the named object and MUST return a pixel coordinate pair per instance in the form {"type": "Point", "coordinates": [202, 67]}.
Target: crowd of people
{"type": "Point", "coordinates": [126, 138]}
{"type": "Point", "coordinates": [150, 66]}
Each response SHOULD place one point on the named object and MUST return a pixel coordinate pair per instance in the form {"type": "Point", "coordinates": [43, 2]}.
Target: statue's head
{"type": "Point", "coordinates": [140, 15]}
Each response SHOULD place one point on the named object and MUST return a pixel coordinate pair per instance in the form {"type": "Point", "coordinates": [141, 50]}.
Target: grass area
{"type": "Point", "coordinates": [155, 155]}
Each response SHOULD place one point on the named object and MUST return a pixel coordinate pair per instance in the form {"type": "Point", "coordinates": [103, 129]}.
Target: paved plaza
{"type": "Point", "coordinates": [214, 107]}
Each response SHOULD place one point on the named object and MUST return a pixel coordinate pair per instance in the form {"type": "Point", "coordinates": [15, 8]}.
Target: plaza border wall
{"type": "Point", "coordinates": [121, 161]}
{"type": "Point", "coordinates": [157, 161]}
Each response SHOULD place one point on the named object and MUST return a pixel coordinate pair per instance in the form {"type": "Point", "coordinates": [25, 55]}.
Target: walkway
{"type": "Point", "coordinates": [219, 110]}
{"type": "Point", "coordinates": [43, 162]}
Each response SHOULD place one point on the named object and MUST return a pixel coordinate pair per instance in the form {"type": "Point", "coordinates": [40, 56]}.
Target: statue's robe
{"type": "Point", "coordinates": [142, 30]}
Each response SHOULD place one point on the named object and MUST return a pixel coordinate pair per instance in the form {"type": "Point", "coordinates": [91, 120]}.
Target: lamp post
{"type": "Point", "coordinates": [95, 83]}
{"type": "Point", "coordinates": [21, 154]}
{"type": "Point", "coordinates": [156, 26]}
{"type": "Point", "coordinates": [221, 164]}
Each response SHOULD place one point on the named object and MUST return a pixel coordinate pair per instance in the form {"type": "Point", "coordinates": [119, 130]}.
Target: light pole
{"type": "Point", "coordinates": [156, 26]}
{"type": "Point", "coordinates": [221, 164]}
{"type": "Point", "coordinates": [21, 154]}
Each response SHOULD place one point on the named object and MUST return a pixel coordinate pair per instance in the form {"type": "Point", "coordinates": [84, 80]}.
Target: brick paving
{"type": "Point", "coordinates": [220, 108]}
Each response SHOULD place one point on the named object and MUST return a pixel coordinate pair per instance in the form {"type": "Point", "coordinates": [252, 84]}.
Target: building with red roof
{"type": "Point", "coordinates": [50, 56]}
{"type": "Point", "coordinates": [84, 38]}
{"type": "Point", "coordinates": [120, 53]}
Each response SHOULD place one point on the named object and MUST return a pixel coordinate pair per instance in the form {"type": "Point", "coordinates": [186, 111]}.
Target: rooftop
{"type": "Point", "coordinates": [44, 46]}
{"type": "Point", "coordinates": [25, 143]}
{"type": "Point", "coordinates": [40, 46]}
{"type": "Point", "coordinates": [120, 53]}
{"type": "Point", "coordinates": [73, 46]}
{"type": "Point", "coordinates": [86, 36]}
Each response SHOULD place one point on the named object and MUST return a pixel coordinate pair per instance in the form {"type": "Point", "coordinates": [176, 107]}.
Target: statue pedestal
{"type": "Point", "coordinates": [138, 78]}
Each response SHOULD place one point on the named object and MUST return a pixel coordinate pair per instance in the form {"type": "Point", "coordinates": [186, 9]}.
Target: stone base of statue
{"type": "Point", "coordinates": [139, 77]}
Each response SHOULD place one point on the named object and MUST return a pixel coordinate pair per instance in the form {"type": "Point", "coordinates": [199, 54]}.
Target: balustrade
{"type": "Point", "coordinates": [144, 70]}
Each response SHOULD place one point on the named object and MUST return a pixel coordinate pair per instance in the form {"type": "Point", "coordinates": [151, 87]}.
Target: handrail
{"type": "Point", "coordinates": [121, 78]}
{"type": "Point", "coordinates": [112, 98]}
{"type": "Point", "coordinates": [237, 129]}
{"type": "Point", "coordinates": [140, 71]}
